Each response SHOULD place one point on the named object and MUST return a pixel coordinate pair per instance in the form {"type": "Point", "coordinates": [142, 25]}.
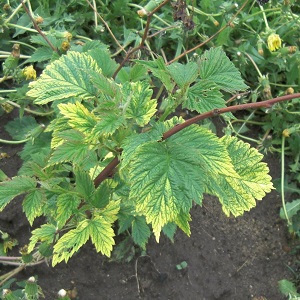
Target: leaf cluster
{"type": "Point", "coordinates": [158, 180]}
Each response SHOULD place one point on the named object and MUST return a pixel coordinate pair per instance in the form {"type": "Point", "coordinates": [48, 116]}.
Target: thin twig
{"type": "Point", "coordinates": [109, 169]}
{"type": "Point", "coordinates": [106, 25]}
{"type": "Point", "coordinates": [217, 112]}
{"type": "Point", "coordinates": [210, 38]}
{"type": "Point", "coordinates": [37, 27]}
{"type": "Point", "coordinates": [144, 37]}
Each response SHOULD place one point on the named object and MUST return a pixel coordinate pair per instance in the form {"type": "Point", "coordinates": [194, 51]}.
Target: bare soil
{"type": "Point", "coordinates": [227, 258]}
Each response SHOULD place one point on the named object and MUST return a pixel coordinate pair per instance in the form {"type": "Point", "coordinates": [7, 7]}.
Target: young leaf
{"type": "Point", "coordinates": [108, 124]}
{"type": "Point", "coordinates": [12, 188]}
{"type": "Point", "coordinates": [71, 151]}
{"type": "Point", "coordinates": [102, 235]}
{"type": "Point", "coordinates": [70, 242]}
{"type": "Point", "coordinates": [140, 231]}
{"type": "Point", "coordinates": [204, 96]}
{"type": "Point", "coordinates": [137, 102]}
{"type": "Point", "coordinates": [292, 208]}
{"type": "Point", "coordinates": [109, 213]}
{"type": "Point", "coordinates": [32, 204]}
{"type": "Point", "coordinates": [159, 70]}
{"type": "Point", "coordinates": [78, 117]}
{"type": "Point", "coordinates": [45, 233]}
{"type": "Point", "coordinates": [98, 229]}
{"type": "Point", "coordinates": [84, 183]}
{"type": "Point", "coordinates": [65, 78]}
{"type": "Point", "coordinates": [288, 288]}
{"type": "Point", "coordinates": [215, 66]}
{"type": "Point", "coordinates": [237, 194]}
{"type": "Point", "coordinates": [183, 75]}
{"type": "Point", "coordinates": [67, 204]}
{"type": "Point", "coordinates": [101, 196]}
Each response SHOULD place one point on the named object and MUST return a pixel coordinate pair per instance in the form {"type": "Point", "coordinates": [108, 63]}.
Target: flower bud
{"type": "Point", "coordinates": [39, 20]}
{"type": "Point", "coordinates": [286, 133]}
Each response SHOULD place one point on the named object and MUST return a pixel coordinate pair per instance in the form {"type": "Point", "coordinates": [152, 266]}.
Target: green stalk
{"type": "Point", "coordinates": [14, 12]}
{"type": "Point", "coordinates": [264, 16]}
{"type": "Point", "coordinates": [282, 180]}
{"type": "Point", "coordinates": [248, 119]}
{"type": "Point", "coordinates": [29, 110]}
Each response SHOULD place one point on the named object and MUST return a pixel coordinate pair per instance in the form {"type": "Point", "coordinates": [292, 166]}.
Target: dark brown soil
{"type": "Point", "coordinates": [227, 258]}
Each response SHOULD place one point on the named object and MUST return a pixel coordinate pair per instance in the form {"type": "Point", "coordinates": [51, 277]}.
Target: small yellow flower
{"type": "Point", "coordinates": [286, 133]}
{"type": "Point", "coordinates": [274, 42]}
{"type": "Point", "coordinates": [29, 73]}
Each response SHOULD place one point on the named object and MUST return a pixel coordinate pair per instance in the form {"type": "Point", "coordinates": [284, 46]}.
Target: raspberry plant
{"type": "Point", "coordinates": [115, 159]}
{"type": "Point", "coordinates": [100, 121]}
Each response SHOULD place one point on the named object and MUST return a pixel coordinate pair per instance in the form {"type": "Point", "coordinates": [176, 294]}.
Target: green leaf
{"type": "Point", "coordinates": [169, 230]}
{"type": "Point", "coordinates": [41, 54]}
{"type": "Point", "coordinates": [109, 213]}
{"type": "Point", "coordinates": [159, 70]}
{"type": "Point", "coordinates": [104, 61]}
{"type": "Point", "coordinates": [70, 242]}
{"type": "Point", "coordinates": [21, 128]}
{"type": "Point", "coordinates": [65, 78]}
{"type": "Point", "coordinates": [71, 151]}
{"type": "Point", "coordinates": [32, 205]}
{"type": "Point", "coordinates": [95, 44]}
{"type": "Point", "coordinates": [237, 194]}
{"type": "Point", "coordinates": [45, 233]}
{"type": "Point", "coordinates": [40, 146]}
{"type": "Point", "coordinates": [215, 66]}
{"type": "Point", "coordinates": [67, 205]}
{"type": "Point", "coordinates": [287, 288]}
{"type": "Point", "coordinates": [137, 102]}
{"type": "Point", "coordinates": [108, 124]}
{"type": "Point", "coordinates": [12, 188]}
{"type": "Point", "coordinates": [204, 96]}
{"type": "Point", "coordinates": [78, 117]}
{"type": "Point", "coordinates": [101, 196]}
{"type": "Point", "coordinates": [140, 231]}
{"type": "Point", "coordinates": [183, 75]}
{"type": "Point", "coordinates": [133, 142]}
{"type": "Point", "coordinates": [291, 207]}
{"type": "Point", "coordinates": [135, 73]}
{"type": "Point", "coordinates": [165, 178]}
{"type": "Point", "coordinates": [98, 229]}
{"type": "Point", "coordinates": [84, 183]}
{"type": "Point", "coordinates": [3, 176]}
{"type": "Point", "coordinates": [102, 235]}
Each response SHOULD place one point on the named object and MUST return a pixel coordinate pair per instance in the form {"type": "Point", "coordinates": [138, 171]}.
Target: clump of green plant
{"type": "Point", "coordinates": [113, 158]}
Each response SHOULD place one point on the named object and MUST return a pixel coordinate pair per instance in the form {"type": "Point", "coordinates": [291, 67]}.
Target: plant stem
{"type": "Point", "coordinates": [29, 110]}
{"type": "Point", "coordinates": [254, 64]}
{"type": "Point", "coordinates": [282, 180]}
{"type": "Point", "coordinates": [264, 16]}
{"type": "Point", "coordinates": [212, 37]}
{"type": "Point", "coordinates": [37, 27]}
{"type": "Point", "coordinates": [109, 169]}
{"type": "Point", "coordinates": [248, 118]}
{"type": "Point", "coordinates": [106, 25]}
{"type": "Point", "coordinates": [14, 12]}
